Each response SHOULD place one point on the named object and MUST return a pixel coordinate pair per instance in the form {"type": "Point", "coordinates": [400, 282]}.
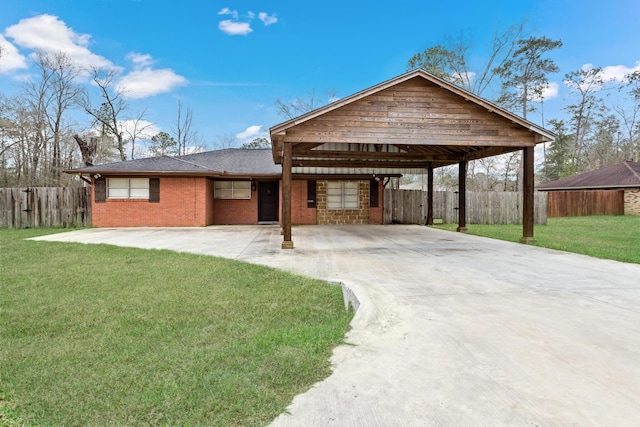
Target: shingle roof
{"type": "Point", "coordinates": [622, 175]}
{"type": "Point", "coordinates": [230, 161]}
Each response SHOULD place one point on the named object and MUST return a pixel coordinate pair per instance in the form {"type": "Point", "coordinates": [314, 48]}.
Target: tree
{"type": "Point", "coordinates": [256, 143]}
{"type": "Point", "coordinates": [558, 162]}
{"type": "Point", "coordinates": [451, 61]}
{"type": "Point", "coordinates": [136, 129]}
{"type": "Point", "coordinates": [61, 93]}
{"type": "Point", "coordinates": [300, 106]}
{"type": "Point", "coordinates": [226, 140]}
{"type": "Point", "coordinates": [108, 116]}
{"type": "Point", "coordinates": [584, 84]}
{"type": "Point", "coordinates": [630, 116]}
{"type": "Point", "coordinates": [163, 144]}
{"type": "Point", "coordinates": [524, 75]}
{"type": "Point", "coordinates": [185, 135]}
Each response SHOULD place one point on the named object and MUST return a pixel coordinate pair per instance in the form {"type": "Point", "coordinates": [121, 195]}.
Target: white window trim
{"type": "Point", "coordinates": [137, 191]}
{"type": "Point", "coordinates": [238, 190]}
{"type": "Point", "coordinates": [342, 191]}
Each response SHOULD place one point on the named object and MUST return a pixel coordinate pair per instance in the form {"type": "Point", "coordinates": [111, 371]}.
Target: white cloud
{"type": "Point", "coordinates": [250, 133]}
{"type": "Point", "coordinates": [549, 92]}
{"type": "Point", "coordinates": [148, 82]}
{"type": "Point", "coordinates": [49, 34]}
{"type": "Point", "coordinates": [618, 72]}
{"type": "Point", "coordinates": [242, 26]}
{"type": "Point", "coordinates": [235, 28]}
{"type": "Point", "coordinates": [145, 81]}
{"type": "Point", "coordinates": [10, 58]}
{"type": "Point", "coordinates": [140, 60]}
{"type": "Point", "coordinates": [268, 20]}
{"type": "Point", "coordinates": [227, 11]}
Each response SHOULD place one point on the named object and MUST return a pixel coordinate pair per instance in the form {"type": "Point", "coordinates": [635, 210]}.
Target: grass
{"type": "Point", "coordinates": [608, 237]}
{"type": "Point", "coordinates": [103, 335]}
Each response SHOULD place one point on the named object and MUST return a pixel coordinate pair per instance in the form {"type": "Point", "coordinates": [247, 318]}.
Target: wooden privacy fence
{"type": "Point", "coordinates": [585, 203]}
{"type": "Point", "coordinates": [45, 207]}
{"type": "Point", "coordinates": [410, 207]}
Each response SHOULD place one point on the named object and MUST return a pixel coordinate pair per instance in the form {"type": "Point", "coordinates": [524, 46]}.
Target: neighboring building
{"type": "Point", "coordinates": [623, 177]}
{"type": "Point", "coordinates": [231, 186]}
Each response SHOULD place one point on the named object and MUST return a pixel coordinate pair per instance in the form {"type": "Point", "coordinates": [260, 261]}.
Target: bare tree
{"type": "Point", "coordinates": [183, 132]}
{"type": "Point", "coordinates": [87, 149]}
{"type": "Point", "coordinates": [300, 106]}
{"type": "Point", "coordinates": [226, 140]}
{"type": "Point", "coordinates": [135, 129]}
{"type": "Point", "coordinates": [108, 116]}
{"type": "Point", "coordinates": [60, 93]}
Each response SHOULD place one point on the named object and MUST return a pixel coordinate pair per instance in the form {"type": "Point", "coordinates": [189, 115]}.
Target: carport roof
{"type": "Point", "coordinates": [414, 118]}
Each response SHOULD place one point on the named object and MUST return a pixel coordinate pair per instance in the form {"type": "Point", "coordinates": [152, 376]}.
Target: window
{"type": "Point", "coordinates": [343, 194]}
{"type": "Point", "coordinates": [128, 188]}
{"type": "Point", "coordinates": [232, 190]}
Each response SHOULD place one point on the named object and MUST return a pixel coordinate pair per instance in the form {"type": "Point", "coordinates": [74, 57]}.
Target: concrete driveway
{"type": "Point", "coordinates": [452, 329]}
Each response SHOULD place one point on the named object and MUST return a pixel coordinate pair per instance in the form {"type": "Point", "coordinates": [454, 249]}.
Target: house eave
{"type": "Point", "coordinates": [591, 187]}
{"type": "Point", "coordinates": [210, 174]}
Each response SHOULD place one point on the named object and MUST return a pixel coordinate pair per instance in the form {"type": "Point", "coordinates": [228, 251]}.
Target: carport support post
{"type": "Point", "coordinates": [286, 196]}
{"type": "Point", "coordinates": [527, 195]}
{"type": "Point", "coordinates": [430, 194]}
{"type": "Point", "coordinates": [462, 197]}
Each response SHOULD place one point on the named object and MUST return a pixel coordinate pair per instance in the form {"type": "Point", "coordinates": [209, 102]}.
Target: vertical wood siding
{"type": "Point", "coordinates": [586, 203]}
{"type": "Point", "coordinates": [45, 207]}
{"type": "Point", "coordinates": [410, 207]}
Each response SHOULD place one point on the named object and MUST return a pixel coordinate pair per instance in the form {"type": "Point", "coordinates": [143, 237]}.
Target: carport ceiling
{"type": "Point", "coordinates": [410, 121]}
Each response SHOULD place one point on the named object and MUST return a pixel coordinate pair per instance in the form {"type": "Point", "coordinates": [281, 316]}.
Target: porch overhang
{"type": "Point", "coordinates": [414, 122]}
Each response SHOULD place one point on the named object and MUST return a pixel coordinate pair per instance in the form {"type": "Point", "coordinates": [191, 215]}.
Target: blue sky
{"type": "Point", "coordinates": [230, 60]}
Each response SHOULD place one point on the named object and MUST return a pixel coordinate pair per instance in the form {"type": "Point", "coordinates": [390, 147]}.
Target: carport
{"type": "Point", "coordinates": [414, 122]}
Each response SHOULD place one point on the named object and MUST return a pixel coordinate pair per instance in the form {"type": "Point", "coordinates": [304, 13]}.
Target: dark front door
{"type": "Point", "coordinates": [268, 201]}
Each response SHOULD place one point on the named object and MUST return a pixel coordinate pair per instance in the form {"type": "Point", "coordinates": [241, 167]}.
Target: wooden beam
{"type": "Point", "coordinates": [286, 197]}
{"type": "Point", "coordinates": [335, 163]}
{"type": "Point", "coordinates": [430, 194]}
{"type": "Point", "coordinates": [527, 196]}
{"type": "Point", "coordinates": [367, 155]}
{"type": "Point", "coordinates": [408, 140]}
{"type": "Point", "coordinates": [462, 197]}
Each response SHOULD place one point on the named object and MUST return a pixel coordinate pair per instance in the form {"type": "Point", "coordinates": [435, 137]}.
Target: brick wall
{"type": "Point", "coordinates": [235, 211]}
{"type": "Point", "coordinates": [342, 216]}
{"type": "Point", "coordinates": [632, 201]}
{"type": "Point", "coordinates": [183, 203]}
{"type": "Point", "coordinates": [300, 213]}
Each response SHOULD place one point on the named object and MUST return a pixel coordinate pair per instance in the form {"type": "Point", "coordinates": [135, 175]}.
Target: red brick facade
{"type": "Point", "coordinates": [183, 203]}
{"type": "Point", "coordinates": [190, 202]}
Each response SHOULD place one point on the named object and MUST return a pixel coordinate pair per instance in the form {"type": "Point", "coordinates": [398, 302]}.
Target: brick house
{"type": "Point", "coordinates": [620, 178]}
{"type": "Point", "coordinates": [231, 186]}
{"type": "Point", "coordinates": [327, 166]}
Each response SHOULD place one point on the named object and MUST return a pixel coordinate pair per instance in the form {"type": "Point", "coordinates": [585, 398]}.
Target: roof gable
{"type": "Point", "coordinates": [544, 135]}
{"type": "Point", "coordinates": [422, 115]}
{"type": "Point", "coordinates": [621, 175]}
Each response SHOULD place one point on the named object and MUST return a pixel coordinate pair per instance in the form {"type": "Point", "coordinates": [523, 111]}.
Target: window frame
{"type": "Point", "coordinates": [128, 191]}
{"type": "Point", "coordinates": [343, 195]}
{"type": "Point", "coordinates": [232, 193]}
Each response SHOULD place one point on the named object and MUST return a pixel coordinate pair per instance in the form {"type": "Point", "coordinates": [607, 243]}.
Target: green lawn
{"type": "Point", "coordinates": [102, 335]}
{"type": "Point", "coordinates": [609, 237]}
